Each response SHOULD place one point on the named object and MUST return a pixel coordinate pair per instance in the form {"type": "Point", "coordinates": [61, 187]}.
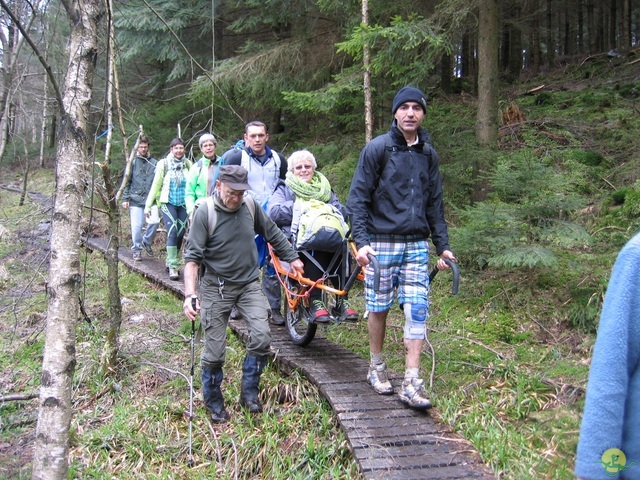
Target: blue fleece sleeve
{"type": "Point", "coordinates": [612, 406]}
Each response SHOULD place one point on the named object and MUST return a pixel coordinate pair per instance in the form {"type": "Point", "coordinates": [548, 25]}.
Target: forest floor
{"type": "Point", "coordinates": [132, 423]}
{"type": "Point", "coordinates": [510, 355]}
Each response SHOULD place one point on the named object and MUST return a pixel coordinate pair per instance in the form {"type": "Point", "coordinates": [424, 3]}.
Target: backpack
{"type": "Point", "coordinates": [317, 225]}
{"type": "Point", "coordinates": [248, 200]}
{"type": "Point", "coordinates": [389, 148]}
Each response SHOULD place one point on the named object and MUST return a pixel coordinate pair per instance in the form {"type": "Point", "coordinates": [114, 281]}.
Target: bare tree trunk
{"type": "Point", "coordinates": [612, 24]}
{"type": "Point", "coordinates": [534, 44]}
{"type": "Point", "coordinates": [50, 460]}
{"type": "Point", "coordinates": [550, 40]}
{"type": "Point", "coordinates": [366, 60]}
{"type": "Point", "coordinates": [25, 179]}
{"type": "Point", "coordinates": [515, 42]}
{"type": "Point", "coordinates": [110, 348]}
{"type": "Point", "coordinates": [53, 131]}
{"type": "Point", "coordinates": [445, 75]}
{"type": "Point", "coordinates": [591, 28]}
{"type": "Point", "coordinates": [43, 127]}
{"type": "Point", "coordinates": [488, 83]}
{"type": "Point", "coordinates": [488, 45]}
{"type": "Point", "coordinates": [123, 132]}
{"type": "Point", "coordinates": [625, 25]}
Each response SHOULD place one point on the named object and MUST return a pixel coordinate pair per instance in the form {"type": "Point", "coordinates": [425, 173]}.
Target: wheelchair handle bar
{"type": "Point", "coordinates": [376, 274]}
{"type": "Point", "coordinates": [454, 270]}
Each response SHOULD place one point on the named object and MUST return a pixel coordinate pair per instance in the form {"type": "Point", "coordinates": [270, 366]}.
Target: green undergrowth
{"type": "Point", "coordinates": [134, 422]}
{"type": "Point", "coordinates": [509, 380]}
{"type": "Point", "coordinates": [508, 356]}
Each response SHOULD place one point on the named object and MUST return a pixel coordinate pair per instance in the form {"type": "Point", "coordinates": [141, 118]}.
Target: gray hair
{"type": "Point", "coordinates": [299, 156]}
{"type": "Point", "coordinates": [207, 137]}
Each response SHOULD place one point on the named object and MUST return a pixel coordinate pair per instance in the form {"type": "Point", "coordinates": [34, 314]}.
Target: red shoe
{"type": "Point", "coordinates": [319, 312]}
{"type": "Point", "coordinates": [347, 314]}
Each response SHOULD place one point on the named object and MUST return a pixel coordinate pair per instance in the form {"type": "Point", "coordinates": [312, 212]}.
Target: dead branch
{"type": "Point", "coordinates": [18, 397]}
{"type": "Point", "coordinates": [535, 90]}
{"type": "Point", "coordinates": [475, 342]}
{"type": "Point", "coordinates": [590, 57]}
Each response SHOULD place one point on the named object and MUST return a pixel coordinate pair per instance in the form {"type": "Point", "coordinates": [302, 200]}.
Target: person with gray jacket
{"type": "Point", "coordinates": [134, 196]}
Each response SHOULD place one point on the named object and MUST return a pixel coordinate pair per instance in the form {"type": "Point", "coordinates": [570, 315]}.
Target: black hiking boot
{"type": "Point", "coordinates": [251, 371]}
{"type": "Point", "coordinates": [212, 393]}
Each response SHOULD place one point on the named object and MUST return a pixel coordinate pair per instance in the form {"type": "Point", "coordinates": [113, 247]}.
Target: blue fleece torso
{"type": "Point", "coordinates": [611, 416]}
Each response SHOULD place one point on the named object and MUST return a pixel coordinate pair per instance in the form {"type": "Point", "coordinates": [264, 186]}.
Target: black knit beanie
{"type": "Point", "coordinates": [409, 94]}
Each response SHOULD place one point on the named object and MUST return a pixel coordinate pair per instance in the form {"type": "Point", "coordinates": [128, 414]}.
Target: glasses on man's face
{"type": "Point", "coordinates": [235, 193]}
{"type": "Point", "coordinates": [305, 167]}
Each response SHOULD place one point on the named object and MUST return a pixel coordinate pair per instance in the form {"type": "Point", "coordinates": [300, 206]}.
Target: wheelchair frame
{"type": "Point", "coordinates": [298, 319]}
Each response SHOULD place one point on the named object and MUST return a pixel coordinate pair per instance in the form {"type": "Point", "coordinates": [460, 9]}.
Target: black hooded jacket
{"type": "Point", "coordinates": [400, 197]}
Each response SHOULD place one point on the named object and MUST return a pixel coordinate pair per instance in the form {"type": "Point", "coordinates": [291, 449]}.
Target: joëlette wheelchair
{"type": "Point", "coordinates": [298, 319]}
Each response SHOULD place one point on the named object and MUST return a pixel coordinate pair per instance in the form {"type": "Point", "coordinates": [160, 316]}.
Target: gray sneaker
{"type": "Point", "coordinates": [173, 274]}
{"type": "Point", "coordinates": [137, 256]}
{"type": "Point", "coordinates": [148, 249]}
{"type": "Point", "coordinates": [377, 378]}
{"type": "Point", "coordinates": [413, 393]}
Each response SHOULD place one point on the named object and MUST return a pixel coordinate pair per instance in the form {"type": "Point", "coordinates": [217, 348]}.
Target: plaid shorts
{"type": "Point", "coordinates": [404, 272]}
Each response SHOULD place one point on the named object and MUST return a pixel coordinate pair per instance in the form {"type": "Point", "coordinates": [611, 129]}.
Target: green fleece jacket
{"type": "Point", "coordinates": [199, 182]}
{"type": "Point", "coordinates": [159, 192]}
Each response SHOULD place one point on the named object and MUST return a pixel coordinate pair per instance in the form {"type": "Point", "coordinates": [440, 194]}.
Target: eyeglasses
{"type": "Point", "coordinates": [306, 167]}
{"type": "Point", "coordinates": [235, 193]}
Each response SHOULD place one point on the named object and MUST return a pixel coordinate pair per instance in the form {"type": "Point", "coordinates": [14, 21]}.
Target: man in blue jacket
{"type": "Point", "coordinates": [265, 167]}
{"type": "Point", "coordinates": [134, 196]}
{"type": "Point", "coordinates": [395, 205]}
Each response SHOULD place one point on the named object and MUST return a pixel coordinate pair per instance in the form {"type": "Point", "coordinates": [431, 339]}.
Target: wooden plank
{"type": "Point", "coordinates": [441, 473]}
{"type": "Point", "coordinates": [387, 439]}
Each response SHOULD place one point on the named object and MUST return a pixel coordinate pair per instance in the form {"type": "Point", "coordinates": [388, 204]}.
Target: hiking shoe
{"type": "Point", "coordinates": [235, 314]}
{"type": "Point", "coordinates": [347, 314]}
{"type": "Point", "coordinates": [378, 379]}
{"type": "Point", "coordinates": [319, 312]}
{"type": "Point", "coordinates": [173, 274]}
{"type": "Point", "coordinates": [413, 393]}
{"type": "Point", "coordinates": [275, 317]}
{"type": "Point", "coordinates": [137, 256]}
{"type": "Point", "coordinates": [221, 416]}
{"type": "Point", "coordinates": [147, 248]}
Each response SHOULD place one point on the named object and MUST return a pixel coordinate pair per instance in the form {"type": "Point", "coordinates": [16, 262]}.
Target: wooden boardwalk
{"type": "Point", "coordinates": [387, 439]}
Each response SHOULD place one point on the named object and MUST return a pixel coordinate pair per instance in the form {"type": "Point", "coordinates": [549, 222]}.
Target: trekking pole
{"type": "Point", "coordinates": [454, 270]}
{"type": "Point", "coordinates": [193, 334]}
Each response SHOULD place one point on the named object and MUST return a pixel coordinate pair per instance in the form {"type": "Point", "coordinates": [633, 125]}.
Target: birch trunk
{"type": "Point", "coordinates": [51, 451]}
{"type": "Point", "coordinates": [366, 60]}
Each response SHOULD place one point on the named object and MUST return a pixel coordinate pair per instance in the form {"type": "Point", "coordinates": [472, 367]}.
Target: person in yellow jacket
{"type": "Point", "coordinates": [202, 174]}
{"type": "Point", "coordinates": [168, 189]}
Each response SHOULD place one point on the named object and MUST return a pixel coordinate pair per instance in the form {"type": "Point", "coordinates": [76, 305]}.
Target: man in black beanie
{"type": "Point", "coordinates": [395, 205]}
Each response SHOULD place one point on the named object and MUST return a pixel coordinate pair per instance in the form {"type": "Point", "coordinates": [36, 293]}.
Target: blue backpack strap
{"type": "Point", "coordinates": [212, 185]}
